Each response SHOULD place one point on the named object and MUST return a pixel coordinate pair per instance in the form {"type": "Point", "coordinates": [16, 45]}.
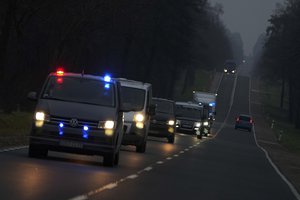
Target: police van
{"type": "Point", "coordinates": [78, 113]}
{"type": "Point", "coordinates": [137, 123]}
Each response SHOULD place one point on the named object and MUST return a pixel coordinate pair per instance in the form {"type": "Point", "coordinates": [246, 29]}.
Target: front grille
{"type": "Point", "coordinates": [187, 124]}
{"type": "Point", "coordinates": [54, 120]}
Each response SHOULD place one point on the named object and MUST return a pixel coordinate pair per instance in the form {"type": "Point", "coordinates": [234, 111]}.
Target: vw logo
{"type": "Point", "coordinates": [73, 122]}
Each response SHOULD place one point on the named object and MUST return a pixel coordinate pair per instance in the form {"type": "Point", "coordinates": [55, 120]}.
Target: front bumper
{"type": "Point", "coordinates": [159, 130]}
{"type": "Point", "coordinates": [72, 141]}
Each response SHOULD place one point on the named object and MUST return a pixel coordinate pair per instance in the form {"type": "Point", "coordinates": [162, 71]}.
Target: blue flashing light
{"type": "Point", "coordinates": [107, 78]}
{"type": "Point", "coordinates": [61, 132]}
{"type": "Point", "coordinates": [85, 128]}
{"type": "Point", "coordinates": [85, 136]}
{"type": "Point", "coordinates": [212, 104]}
{"type": "Point", "coordinates": [107, 86]}
{"type": "Point", "coordinates": [61, 125]}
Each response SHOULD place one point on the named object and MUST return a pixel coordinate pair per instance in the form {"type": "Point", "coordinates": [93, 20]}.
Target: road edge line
{"type": "Point", "coordinates": [289, 184]}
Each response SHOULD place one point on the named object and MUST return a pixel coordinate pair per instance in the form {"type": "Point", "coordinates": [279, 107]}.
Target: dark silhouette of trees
{"type": "Point", "coordinates": [281, 56]}
{"type": "Point", "coordinates": [153, 41]}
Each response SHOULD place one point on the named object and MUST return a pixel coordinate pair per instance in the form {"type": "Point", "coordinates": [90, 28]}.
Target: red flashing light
{"type": "Point", "coordinates": [251, 121]}
{"type": "Point", "coordinates": [60, 72]}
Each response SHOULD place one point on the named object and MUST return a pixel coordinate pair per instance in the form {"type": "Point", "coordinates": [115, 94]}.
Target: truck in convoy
{"type": "Point", "coordinates": [208, 101]}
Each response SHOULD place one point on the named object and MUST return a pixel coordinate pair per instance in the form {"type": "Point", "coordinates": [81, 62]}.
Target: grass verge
{"type": "Point", "coordinates": [284, 130]}
{"type": "Point", "coordinates": [14, 128]}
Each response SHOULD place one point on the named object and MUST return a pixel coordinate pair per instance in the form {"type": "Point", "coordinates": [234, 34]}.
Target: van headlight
{"type": "Point", "coordinates": [40, 116]}
{"type": "Point", "coordinates": [109, 124]}
{"type": "Point", "coordinates": [205, 123]}
{"type": "Point", "coordinates": [225, 70]}
{"type": "Point", "coordinates": [171, 122]}
{"type": "Point", "coordinates": [197, 124]}
{"type": "Point", "coordinates": [138, 117]}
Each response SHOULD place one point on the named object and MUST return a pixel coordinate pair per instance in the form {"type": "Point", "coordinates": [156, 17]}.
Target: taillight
{"type": "Point", "coordinates": [251, 121]}
{"type": "Point", "coordinates": [237, 119]}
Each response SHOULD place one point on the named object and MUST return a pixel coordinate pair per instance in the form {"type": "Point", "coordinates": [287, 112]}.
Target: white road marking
{"type": "Point", "coordinates": [148, 169]}
{"type": "Point", "coordinates": [191, 147]}
{"type": "Point", "coordinates": [176, 155]}
{"type": "Point", "coordinates": [181, 152]}
{"type": "Point", "coordinates": [159, 162]}
{"type": "Point", "coordinates": [186, 149]}
{"type": "Point", "coordinates": [13, 148]}
{"type": "Point", "coordinates": [82, 197]}
{"type": "Point", "coordinates": [290, 185]}
{"type": "Point", "coordinates": [169, 158]}
{"type": "Point", "coordinates": [133, 176]}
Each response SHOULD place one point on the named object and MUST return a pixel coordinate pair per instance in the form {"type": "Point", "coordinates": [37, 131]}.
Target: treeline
{"type": "Point", "coordinates": [153, 41]}
{"type": "Point", "coordinates": [280, 59]}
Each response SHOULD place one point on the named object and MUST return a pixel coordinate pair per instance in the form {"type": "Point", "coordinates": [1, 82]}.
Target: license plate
{"type": "Point", "coordinates": [71, 144]}
{"type": "Point", "coordinates": [155, 132]}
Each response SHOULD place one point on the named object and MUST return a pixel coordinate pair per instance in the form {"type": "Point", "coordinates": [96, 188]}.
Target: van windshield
{"type": "Point", "coordinates": [80, 90]}
{"type": "Point", "coordinates": [133, 96]}
{"type": "Point", "coordinates": [189, 112]}
{"type": "Point", "coordinates": [163, 106]}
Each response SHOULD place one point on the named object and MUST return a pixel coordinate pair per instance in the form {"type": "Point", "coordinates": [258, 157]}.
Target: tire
{"type": "Point", "coordinates": [141, 148]}
{"type": "Point", "coordinates": [37, 151]}
{"type": "Point", "coordinates": [199, 136]}
{"type": "Point", "coordinates": [171, 139]}
{"type": "Point", "coordinates": [116, 161]}
{"type": "Point", "coordinates": [109, 160]}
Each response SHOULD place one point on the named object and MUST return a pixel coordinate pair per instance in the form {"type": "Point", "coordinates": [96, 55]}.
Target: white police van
{"type": "Point", "coordinates": [137, 123]}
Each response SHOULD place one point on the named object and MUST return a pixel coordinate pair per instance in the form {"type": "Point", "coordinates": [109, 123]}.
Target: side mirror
{"type": "Point", "coordinates": [32, 96]}
{"type": "Point", "coordinates": [152, 109]}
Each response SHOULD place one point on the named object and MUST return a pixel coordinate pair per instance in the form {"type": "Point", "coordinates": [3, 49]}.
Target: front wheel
{"type": "Point", "coordinates": [171, 139]}
{"type": "Point", "coordinates": [141, 148]}
{"type": "Point", "coordinates": [111, 159]}
{"type": "Point", "coordinates": [37, 151]}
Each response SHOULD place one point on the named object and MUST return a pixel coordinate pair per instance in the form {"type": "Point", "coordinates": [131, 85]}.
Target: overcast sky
{"type": "Point", "coordinates": [248, 17]}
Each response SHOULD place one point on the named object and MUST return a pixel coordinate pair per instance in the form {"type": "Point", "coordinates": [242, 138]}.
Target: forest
{"type": "Point", "coordinates": [154, 41]}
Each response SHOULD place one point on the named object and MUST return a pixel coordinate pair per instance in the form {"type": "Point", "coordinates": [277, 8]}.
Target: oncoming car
{"type": "Point", "coordinates": [78, 113]}
{"type": "Point", "coordinates": [244, 122]}
{"type": "Point", "coordinates": [163, 123]}
{"type": "Point", "coordinates": [230, 67]}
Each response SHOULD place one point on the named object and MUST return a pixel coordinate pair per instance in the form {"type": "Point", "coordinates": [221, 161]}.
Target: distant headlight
{"type": "Point", "coordinates": [138, 117]}
{"type": "Point", "coordinates": [171, 122]}
{"type": "Point", "coordinates": [225, 70]}
{"type": "Point", "coordinates": [109, 124]}
{"type": "Point", "coordinates": [233, 71]}
{"type": "Point", "coordinates": [205, 123]}
{"type": "Point", "coordinates": [197, 124]}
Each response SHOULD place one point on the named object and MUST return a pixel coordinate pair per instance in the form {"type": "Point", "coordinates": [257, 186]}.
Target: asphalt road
{"type": "Point", "coordinates": [228, 166]}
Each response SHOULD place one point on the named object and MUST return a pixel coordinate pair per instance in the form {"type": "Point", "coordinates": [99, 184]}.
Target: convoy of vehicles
{"type": "Point", "coordinates": [163, 123]}
{"type": "Point", "coordinates": [208, 101]}
{"type": "Point", "coordinates": [136, 125]}
{"type": "Point", "coordinates": [94, 115]}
